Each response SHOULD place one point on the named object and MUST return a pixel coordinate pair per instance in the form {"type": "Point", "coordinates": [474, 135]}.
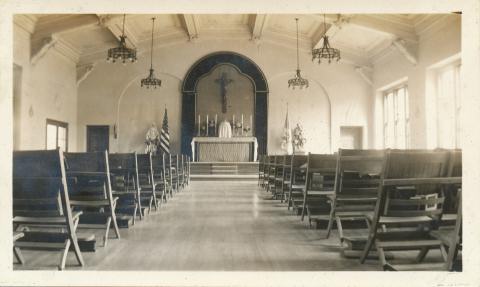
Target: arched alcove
{"type": "Point", "coordinates": [204, 66]}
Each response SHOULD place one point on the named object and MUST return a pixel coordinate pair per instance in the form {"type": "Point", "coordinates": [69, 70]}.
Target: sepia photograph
{"type": "Point", "coordinates": [257, 146]}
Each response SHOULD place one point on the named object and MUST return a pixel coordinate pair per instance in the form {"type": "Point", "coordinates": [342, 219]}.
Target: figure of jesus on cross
{"type": "Point", "coordinates": [223, 82]}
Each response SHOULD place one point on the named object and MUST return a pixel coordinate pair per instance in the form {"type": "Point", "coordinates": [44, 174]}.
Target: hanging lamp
{"type": "Point", "coordinates": [122, 52]}
{"type": "Point", "coordinates": [151, 80]}
{"type": "Point", "coordinates": [298, 81]}
{"type": "Point", "coordinates": [326, 51]}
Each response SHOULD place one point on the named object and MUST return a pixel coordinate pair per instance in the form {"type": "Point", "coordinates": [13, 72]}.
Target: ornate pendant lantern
{"type": "Point", "coordinates": [326, 51]}
{"type": "Point", "coordinates": [151, 80]}
{"type": "Point", "coordinates": [298, 81]}
{"type": "Point", "coordinates": [122, 52]}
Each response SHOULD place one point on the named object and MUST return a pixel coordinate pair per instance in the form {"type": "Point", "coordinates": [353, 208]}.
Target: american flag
{"type": "Point", "coordinates": [164, 136]}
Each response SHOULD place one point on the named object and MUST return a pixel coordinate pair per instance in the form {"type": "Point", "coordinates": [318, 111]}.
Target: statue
{"type": "Point", "coordinates": [298, 139]}
{"type": "Point", "coordinates": [224, 129]}
{"type": "Point", "coordinates": [152, 139]}
{"type": "Point", "coordinates": [223, 82]}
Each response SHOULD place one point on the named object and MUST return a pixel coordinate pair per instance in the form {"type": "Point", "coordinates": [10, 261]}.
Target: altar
{"type": "Point", "coordinates": [215, 149]}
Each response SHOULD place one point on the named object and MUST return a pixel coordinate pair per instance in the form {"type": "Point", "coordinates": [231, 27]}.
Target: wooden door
{"type": "Point", "coordinates": [97, 138]}
{"type": "Point", "coordinates": [351, 137]}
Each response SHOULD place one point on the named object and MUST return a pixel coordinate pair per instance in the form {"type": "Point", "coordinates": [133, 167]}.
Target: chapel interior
{"type": "Point", "coordinates": [237, 142]}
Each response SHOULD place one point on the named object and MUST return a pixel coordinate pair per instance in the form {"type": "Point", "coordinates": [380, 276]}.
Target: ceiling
{"type": "Point", "coordinates": [360, 37]}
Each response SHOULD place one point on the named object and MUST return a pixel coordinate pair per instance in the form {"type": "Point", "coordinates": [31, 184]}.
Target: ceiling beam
{"type": "Point", "coordinates": [84, 71]}
{"type": "Point", "coordinates": [190, 24]}
{"type": "Point", "coordinates": [46, 27]}
{"type": "Point", "coordinates": [39, 50]}
{"type": "Point", "coordinates": [258, 22]}
{"type": "Point", "coordinates": [363, 72]}
{"type": "Point", "coordinates": [333, 28]}
{"type": "Point", "coordinates": [114, 25]}
{"type": "Point", "coordinates": [399, 44]}
{"type": "Point", "coordinates": [403, 31]}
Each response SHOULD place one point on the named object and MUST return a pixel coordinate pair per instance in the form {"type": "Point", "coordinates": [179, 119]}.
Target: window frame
{"type": "Point", "coordinates": [396, 115]}
{"type": "Point", "coordinates": [455, 67]}
{"type": "Point", "coordinates": [57, 124]}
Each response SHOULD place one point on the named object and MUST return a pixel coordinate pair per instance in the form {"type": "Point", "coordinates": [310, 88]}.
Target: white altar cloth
{"type": "Point", "coordinates": [224, 149]}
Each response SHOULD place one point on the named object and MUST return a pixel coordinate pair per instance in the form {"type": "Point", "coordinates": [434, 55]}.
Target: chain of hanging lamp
{"type": "Point", "coordinates": [122, 52]}
{"type": "Point", "coordinates": [298, 81]}
{"type": "Point", "coordinates": [151, 80]}
{"type": "Point", "coordinates": [326, 52]}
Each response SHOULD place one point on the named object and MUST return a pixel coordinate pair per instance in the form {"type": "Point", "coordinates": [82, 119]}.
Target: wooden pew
{"type": "Point", "coordinates": [90, 190]}
{"type": "Point", "coordinates": [356, 187]}
{"type": "Point", "coordinates": [161, 184]}
{"type": "Point", "coordinates": [409, 206]}
{"type": "Point", "coordinates": [41, 204]}
{"type": "Point", "coordinates": [125, 184]}
{"type": "Point", "coordinates": [319, 186]}
{"type": "Point", "coordinates": [296, 182]}
{"type": "Point", "coordinates": [147, 183]}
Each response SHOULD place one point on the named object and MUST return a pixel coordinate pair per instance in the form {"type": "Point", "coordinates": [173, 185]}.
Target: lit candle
{"type": "Point", "coordinates": [199, 128]}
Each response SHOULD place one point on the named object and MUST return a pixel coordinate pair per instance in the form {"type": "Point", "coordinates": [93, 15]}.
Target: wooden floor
{"type": "Point", "coordinates": [217, 225]}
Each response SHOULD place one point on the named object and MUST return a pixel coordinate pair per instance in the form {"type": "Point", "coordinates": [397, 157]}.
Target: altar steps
{"type": "Point", "coordinates": [224, 171]}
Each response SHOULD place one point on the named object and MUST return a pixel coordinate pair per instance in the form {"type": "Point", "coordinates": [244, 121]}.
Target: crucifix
{"type": "Point", "coordinates": [223, 82]}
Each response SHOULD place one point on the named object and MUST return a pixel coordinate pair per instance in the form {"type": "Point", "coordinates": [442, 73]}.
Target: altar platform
{"type": "Point", "coordinates": [238, 171]}
{"type": "Point", "coordinates": [215, 149]}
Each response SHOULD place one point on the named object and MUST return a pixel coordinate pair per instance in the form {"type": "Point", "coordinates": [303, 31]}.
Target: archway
{"type": "Point", "coordinates": [245, 66]}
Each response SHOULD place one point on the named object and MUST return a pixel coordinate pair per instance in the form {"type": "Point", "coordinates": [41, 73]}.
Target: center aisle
{"type": "Point", "coordinates": [222, 225]}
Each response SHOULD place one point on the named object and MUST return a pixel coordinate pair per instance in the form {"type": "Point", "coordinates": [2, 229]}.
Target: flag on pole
{"type": "Point", "coordinates": [287, 136]}
{"type": "Point", "coordinates": [164, 135]}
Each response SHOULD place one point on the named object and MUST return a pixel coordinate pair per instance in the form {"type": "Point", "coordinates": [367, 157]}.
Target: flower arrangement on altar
{"type": "Point", "coordinates": [152, 140]}
{"type": "Point", "coordinates": [298, 139]}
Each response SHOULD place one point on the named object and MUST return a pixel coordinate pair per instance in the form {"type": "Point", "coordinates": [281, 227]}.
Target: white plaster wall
{"type": "Point", "coordinates": [48, 90]}
{"type": "Point", "coordinates": [441, 42]}
{"type": "Point", "coordinates": [99, 95]}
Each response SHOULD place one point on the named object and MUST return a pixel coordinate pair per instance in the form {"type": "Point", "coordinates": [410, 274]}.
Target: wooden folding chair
{"type": "Point", "coordinates": [409, 206]}
{"type": "Point", "coordinates": [285, 178]}
{"type": "Point", "coordinates": [181, 171]}
{"type": "Point", "coordinates": [146, 181]}
{"type": "Point", "coordinates": [90, 190]}
{"type": "Point", "coordinates": [41, 204]}
{"type": "Point", "coordinates": [272, 167]}
{"type": "Point", "coordinates": [168, 168]}
{"type": "Point", "coordinates": [356, 187]}
{"type": "Point", "coordinates": [279, 173]}
{"type": "Point", "coordinates": [319, 186]}
{"type": "Point", "coordinates": [125, 184]}
{"type": "Point", "coordinates": [266, 170]}
{"type": "Point", "coordinates": [296, 182]}
{"type": "Point", "coordinates": [261, 162]}
{"type": "Point", "coordinates": [161, 185]}
{"type": "Point", "coordinates": [16, 251]}
{"type": "Point", "coordinates": [174, 172]}
{"type": "Point", "coordinates": [187, 169]}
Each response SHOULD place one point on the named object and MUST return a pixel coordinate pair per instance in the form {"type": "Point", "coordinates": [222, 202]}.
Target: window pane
{"type": "Point", "coordinates": [51, 136]}
{"type": "Point", "coordinates": [62, 138]}
{"type": "Point", "coordinates": [400, 132]}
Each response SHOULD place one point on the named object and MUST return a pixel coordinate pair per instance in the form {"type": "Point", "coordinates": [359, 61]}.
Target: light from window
{"type": "Point", "coordinates": [57, 135]}
{"type": "Point", "coordinates": [448, 107]}
{"type": "Point", "coordinates": [396, 121]}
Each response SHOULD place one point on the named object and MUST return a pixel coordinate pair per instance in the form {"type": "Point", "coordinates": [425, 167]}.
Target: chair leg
{"type": "Point", "coordinates": [367, 248]}
{"type": "Point", "coordinates": [115, 226]}
{"type": "Point", "coordinates": [76, 249]}
{"type": "Point", "coordinates": [18, 255]}
{"type": "Point", "coordinates": [107, 230]}
{"type": "Point", "coordinates": [63, 257]}
{"type": "Point", "coordinates": [383, 260]}
{"type": "Point", "coordinates": [330, 223]}
{"type": "Point", "coordinates": [421, 255]}
{"type": "Point", "coordinates": [339, 228]}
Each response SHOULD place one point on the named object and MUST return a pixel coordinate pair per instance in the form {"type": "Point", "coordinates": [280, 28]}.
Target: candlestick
{"type": "Point", "coordinates": [242, 125]}
{"type": "Point", "coordinates": [199, 123]}
{"type": "Point", "coordinates": [251, 123]}
{"type": "Point", "coordinates": [233, 124]}
{"type": "Point", "coordinates": [216, 118]}
{"type": "Point", "coordinates": [207, 126]}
